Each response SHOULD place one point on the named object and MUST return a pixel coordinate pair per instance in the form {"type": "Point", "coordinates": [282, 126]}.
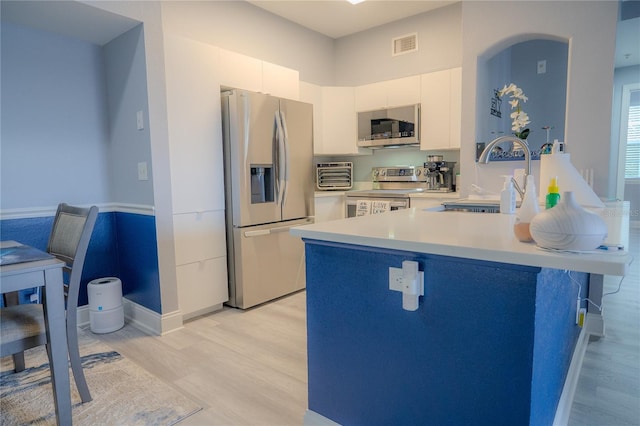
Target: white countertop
{"type": "Point", "coordinates": [482, 236]}
{"type": "Point", "coordinates": [439, 195]}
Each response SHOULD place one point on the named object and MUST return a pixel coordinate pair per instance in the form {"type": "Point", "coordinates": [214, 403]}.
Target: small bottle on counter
{"type": "Point", "coordinates": [527, 211]}
{"type": "Point", "coordinates": [507, 196]}
{"type": "Point", "coordinates": [553, 194]}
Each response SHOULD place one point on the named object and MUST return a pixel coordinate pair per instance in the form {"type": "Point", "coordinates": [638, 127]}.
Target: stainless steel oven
{"type": "Point", "coordinates": [391, 189]}
{"type": "Point", "coordinates": [396, 199]}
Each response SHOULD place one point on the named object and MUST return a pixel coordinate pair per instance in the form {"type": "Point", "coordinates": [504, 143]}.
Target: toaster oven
{"type": "Point", "coordinates": [334, 176]}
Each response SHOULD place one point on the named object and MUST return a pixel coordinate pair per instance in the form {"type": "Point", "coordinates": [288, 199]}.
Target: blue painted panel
{"type": "Point", "coordinates": [122, 245]}
{"type": "Point", "coordinates": [101, 258]}
{"type": "Point", "coordinates": [138, 258]}
{"type": "Point", "coordinates": [556, 299]}
{"type": "Point", "coordinates": [466, 356]}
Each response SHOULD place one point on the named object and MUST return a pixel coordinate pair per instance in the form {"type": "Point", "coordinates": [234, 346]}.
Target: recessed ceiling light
{"type": "Point", "coordinates": [355, 1]}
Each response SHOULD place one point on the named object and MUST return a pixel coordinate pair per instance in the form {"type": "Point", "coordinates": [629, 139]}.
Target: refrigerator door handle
{"type": "Point", "coordinates": [285, 146]}
{"type": "Point", "coordinates": [279, 160]}
{"type": "Point", "coordinates": [286, 228]}
{"type": "Point", "coordinates": [257, 233]}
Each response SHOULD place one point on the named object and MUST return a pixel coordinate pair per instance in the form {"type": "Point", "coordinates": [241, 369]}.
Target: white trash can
{"type": "Point", "coordinates": [106, 313]}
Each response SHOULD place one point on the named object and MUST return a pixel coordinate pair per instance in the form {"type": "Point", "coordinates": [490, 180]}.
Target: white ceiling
{"type": "Point", "coordinates": [334, 18]}
{"type": "Point", "coordinates": [339, 18]}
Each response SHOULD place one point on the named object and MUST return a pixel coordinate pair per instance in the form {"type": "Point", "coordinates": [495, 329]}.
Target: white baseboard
{"type": "Point", "coordinates": [141, 318]}
{"type": "Point", "coordinates": [571, 382]}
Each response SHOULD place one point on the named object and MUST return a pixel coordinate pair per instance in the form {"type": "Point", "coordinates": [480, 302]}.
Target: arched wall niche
{"type": "Point", "coordinates": [537, 63]}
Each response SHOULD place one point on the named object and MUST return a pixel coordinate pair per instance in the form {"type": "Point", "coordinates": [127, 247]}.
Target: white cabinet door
{"type": "Point", "coordinates": [312, 93]}
{"type": "Point", "coordinates": [389, 93]}
{"type": "Point", "coordinates": [241, 71]}
{"type": "Point", "coordinates": [280, 81]}
{"type": "Point", "coordinates": [456, 107]}
{"type": "Point", "coordinates": [435, 110]}
{"type": "Point", "coordinates": [329, 207]}
{"type": "Point", "coordinates": [441, 115]}
{"type": "Point", "coordinates": [339, 122]}
{"type": "Point", "coordinates": [199, 236]}
{"type": "Point", "coordinates": [245, 72]}
{"type": "Point", "coordinates": [202, 286]}
{"type": "Point", "coordinates": [372, 96]}
{"type": "Point", "coordinates": [195, 136]}
{"type": "Point", "coordinates": [403, 91]}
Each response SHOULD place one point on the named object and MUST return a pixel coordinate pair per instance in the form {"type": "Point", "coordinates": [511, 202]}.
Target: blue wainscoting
{"type": "Point", "coordinates": [122, 245]}
{"type": "Point", "coordinates": [490, 344]}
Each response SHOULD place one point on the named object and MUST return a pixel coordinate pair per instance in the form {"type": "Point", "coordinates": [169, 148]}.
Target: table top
{"type": "Point", "coordinates": [19, 259]}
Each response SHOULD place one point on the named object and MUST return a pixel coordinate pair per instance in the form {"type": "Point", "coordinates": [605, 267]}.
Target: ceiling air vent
{"type": "Point", "coordinates": [405, 44]}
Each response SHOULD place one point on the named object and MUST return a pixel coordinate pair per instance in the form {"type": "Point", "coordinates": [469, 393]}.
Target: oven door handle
{"type": "Point", "coordinates": [354, 201]}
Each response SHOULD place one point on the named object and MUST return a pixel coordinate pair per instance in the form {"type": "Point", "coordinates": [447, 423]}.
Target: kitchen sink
{"type": "Point", "coordinates": [472, 206]}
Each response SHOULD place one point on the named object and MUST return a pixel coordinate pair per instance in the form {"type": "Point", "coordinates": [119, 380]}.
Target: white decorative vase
{"type": "Point", "coordinates": [568, 226]}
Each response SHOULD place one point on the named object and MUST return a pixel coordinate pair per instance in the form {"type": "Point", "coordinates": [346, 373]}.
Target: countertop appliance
{"type": "Point", "coordinates": [392, 185]}
{"type": "Point", "coordinates": [268, 174]}
{"type": "Point", "coordinates": [334, 175]}
{"type": "Point", "coordinates": [390, 127]}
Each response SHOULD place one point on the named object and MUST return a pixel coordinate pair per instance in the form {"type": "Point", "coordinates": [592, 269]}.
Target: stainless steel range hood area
{"type": "Point", "coordinates": [391, 127]}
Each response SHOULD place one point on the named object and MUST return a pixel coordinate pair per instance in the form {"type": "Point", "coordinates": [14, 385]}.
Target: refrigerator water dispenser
{"type": "Point", "coordinates": [261, 184]}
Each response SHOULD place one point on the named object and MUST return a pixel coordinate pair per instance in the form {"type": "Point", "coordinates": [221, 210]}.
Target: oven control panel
{"type": "Point", "coordinates": [399, 174]}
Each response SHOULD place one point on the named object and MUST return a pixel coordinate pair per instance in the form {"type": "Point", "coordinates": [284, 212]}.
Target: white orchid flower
{"type": "Point", "coordinates": [519, 118]}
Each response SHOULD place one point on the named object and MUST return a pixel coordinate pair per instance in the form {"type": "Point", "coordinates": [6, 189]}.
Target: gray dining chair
{"type": "Point", "coordinates": [22, 326]}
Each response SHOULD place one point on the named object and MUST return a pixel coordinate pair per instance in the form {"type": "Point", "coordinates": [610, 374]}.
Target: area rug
{"type": "Point", "coordinates": [123, 393]}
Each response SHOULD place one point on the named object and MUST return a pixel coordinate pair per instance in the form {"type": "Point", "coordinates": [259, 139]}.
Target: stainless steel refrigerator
{"type": "Point", "coordinates": [268, 155]}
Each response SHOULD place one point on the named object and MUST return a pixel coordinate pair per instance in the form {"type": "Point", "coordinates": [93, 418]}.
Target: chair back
{"type": "Point", "coordinates": [69, 241]}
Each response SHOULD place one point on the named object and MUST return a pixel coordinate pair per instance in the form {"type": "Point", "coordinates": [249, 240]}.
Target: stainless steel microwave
{"type": "Point", "coordinates": [397, 126]}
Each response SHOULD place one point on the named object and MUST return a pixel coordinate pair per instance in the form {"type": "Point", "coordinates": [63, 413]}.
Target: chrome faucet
{"type": "Point", "coordinates": [484, 158]}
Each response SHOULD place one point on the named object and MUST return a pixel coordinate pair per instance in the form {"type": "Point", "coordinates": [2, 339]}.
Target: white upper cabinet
{"type": "Point", "coordinates": [245, 72]}
{"type": "Point", "coordinates": [241, 71]}
{"type": "Point", "coordinates": [403, 91]}
{"type": "Point", "coordinates": [195, 136]}
{"type": "Point", "coordinates": [371, 96]}
{"type": "Point", "coordinates": [441, 107]}
{"type": "Point", "coordinates": [339, 135]}
{"type": "Point", "coordinates": [456, 107]}
{"type": "Point", "coordinates": [280, 81]}
{"type": "Point", "coordinates": [334, 119]}
{"type": "Point", "coordinates": [390, 93]}
{"type": "Point", "coordinates": [312, 94]}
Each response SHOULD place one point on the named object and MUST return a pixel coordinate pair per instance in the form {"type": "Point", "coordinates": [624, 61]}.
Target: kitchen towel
{"type": "Point", "coordinates": [363, 208]}
{"type": "Point", "coordinates": [380, 207]}
{"type": "Point", "coordinates": [569, 179]}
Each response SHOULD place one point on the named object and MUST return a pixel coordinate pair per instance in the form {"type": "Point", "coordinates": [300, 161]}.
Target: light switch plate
{"type": "Point", "coordinates": [139, 120]}
{"type": "Point", "coordinates": [142, 171]}
{"type": "Point", "coordinates": [542, 66]}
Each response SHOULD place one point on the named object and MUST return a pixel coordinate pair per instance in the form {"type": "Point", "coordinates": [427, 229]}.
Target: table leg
{"type": "Point", "coordinates": [57, 337]}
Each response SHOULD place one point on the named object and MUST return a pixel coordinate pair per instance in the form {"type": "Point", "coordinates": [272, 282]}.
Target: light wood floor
{"type": "Point", "coordinates": [249, 367]}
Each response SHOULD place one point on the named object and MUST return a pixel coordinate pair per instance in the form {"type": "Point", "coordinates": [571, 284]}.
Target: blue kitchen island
{"type": "Point", "coordinates": [492, 340]}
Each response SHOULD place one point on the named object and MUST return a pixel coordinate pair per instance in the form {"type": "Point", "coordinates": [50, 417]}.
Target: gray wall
{"type": "Point", "coordinates": [365, 57]}
{"type": "Point", "coordinates": [54, 120]}
{"type": "Point", "coordinates": [252, 31]}
{"type": "Point", "coordinates": [127, 93]}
